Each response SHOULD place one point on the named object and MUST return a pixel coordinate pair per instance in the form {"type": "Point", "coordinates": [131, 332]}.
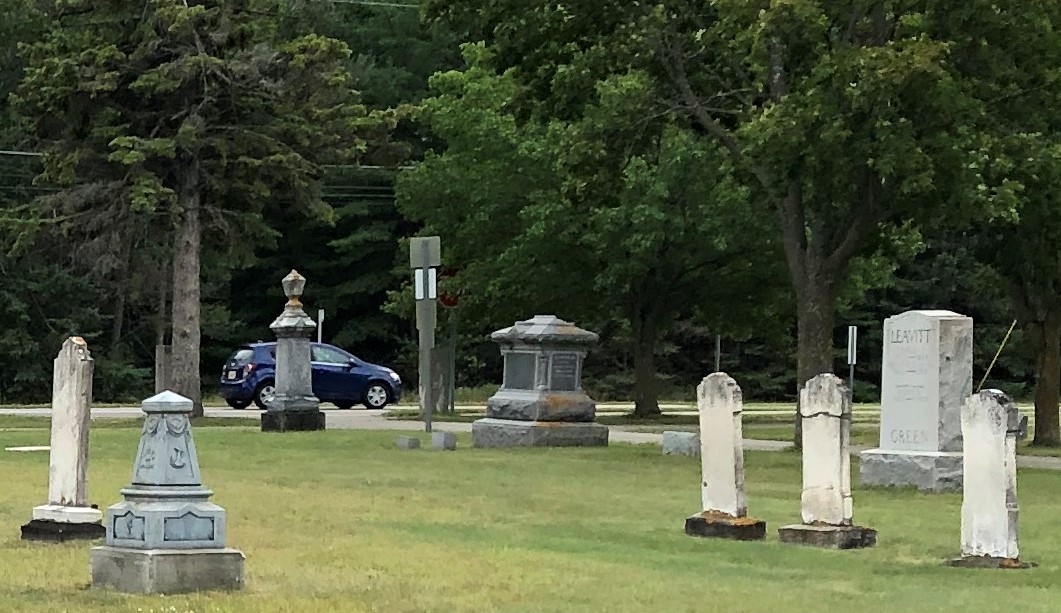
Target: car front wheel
{"type": "Point", "coordinates": [377, 395]}
{"type": "Point", "coordinates": [264, 394]}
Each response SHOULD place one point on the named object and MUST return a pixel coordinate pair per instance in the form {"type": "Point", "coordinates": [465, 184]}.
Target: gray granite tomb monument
{"type": "Point", "coordinates": [541, 402]}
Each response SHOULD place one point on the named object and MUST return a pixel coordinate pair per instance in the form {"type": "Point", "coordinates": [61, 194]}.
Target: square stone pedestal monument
{"type": "Point", "coordinates": [166, 537]}
{"type": "Point", "coordinates": [541, 402]}
{"type": "Point", "coordinates": [294, 407]}
{"type": "Point", "coordinates": [927, 373]}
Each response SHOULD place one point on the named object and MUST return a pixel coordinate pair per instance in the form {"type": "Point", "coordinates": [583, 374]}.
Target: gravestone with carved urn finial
{"type": "Point", "coordinates": [166, 536]}
{"type": "Point", "coordinates": [293, 407]}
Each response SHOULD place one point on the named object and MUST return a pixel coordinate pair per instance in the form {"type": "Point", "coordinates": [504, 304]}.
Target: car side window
{"type": "Point", "coordinates": [328, 355]}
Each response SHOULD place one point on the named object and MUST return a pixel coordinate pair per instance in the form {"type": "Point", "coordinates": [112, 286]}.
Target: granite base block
{"type": "Point", "coordinates": [166, 571]}
{"type": "Point", "coordinates": [292, 421]}
{"type": "Point", "coordinates": [444, 441]}
{"type": "Point", "coordinates": [929, 471]}
{"type": "Point", "coordinates": [828, 537]}
{"type": "Point", "coordinates": [510, 433]}
{"type": "Point", "coordinates": [715, 525]}
{"type": "Point", "coordinates": [681, 443]}
{"type": "Point", "coordinates": [990, 562]}
{"type": "Point", "coordinates": [408, 442]}
{"type": "Point", "coordinates": [59, 532]}
{"type": "Point", "coordinates": [535, 405]}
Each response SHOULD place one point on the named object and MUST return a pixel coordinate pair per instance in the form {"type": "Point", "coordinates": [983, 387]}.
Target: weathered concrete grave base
{"type": "Point", "coordinates": [928, 471]}
{"type": "Point", "coordinates": [166, 571]}
{"type": "Point", "coordinates": [59, 532]}
{"type": "Point", "coordinates": [989, 562]}
{"type": "Point", "coordinates": [510, 433]}
{"type": "Point", "coordinates": [828, 537]}
{"type": "Point", "coordinates": [292, 421]}
{"type": "Point", "coordinates": [720, 525]}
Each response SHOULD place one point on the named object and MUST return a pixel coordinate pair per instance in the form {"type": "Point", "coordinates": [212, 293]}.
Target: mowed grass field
{"type": "Point", "coordinates": [343, 521]}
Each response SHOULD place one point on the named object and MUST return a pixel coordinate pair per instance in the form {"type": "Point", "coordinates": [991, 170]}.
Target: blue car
{"type": "Point", "coordinates": [339, 377]}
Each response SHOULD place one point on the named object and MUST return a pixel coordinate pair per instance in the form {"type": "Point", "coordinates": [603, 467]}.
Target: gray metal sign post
{"type": "Point", "coordinates": [425, 258]}
{"type": "Point", "coordinates": [320, 325]}
{"type": "Point", "coordinates": [852, 343]}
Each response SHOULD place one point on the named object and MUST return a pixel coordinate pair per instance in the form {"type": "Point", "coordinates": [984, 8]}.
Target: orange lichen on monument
{"type": "Point", "coordinates": [557, 401]}
{"type": "Point", "coordinates": [718, 516]}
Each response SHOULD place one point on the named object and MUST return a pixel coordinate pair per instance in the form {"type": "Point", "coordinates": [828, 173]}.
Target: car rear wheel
{"type": "Point", "coordinates": [377, 395]}
{"type": "Point", "coordinates": [264, 394]}
{"type": "Point", "coordinates": [238, 404]}
{"type": "Point", "coordinates": [344, 405]}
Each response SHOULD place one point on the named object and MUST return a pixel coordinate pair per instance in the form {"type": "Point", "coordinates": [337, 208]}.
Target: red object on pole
{"type": "Point", "coordinates": [445, 298]}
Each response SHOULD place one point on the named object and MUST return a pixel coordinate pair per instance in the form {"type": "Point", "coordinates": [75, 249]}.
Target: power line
{"type": "Point", "coordinates": [373, 3]}
{"type": "Point", "coordinates": [22, 153]}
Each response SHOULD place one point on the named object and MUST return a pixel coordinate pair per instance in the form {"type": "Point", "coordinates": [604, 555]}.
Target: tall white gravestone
{"type": "Point", "coordinates": [927, 372]}
{"type": "Point", "coordinates": [725, 508]}
{"type": "Point", "coordinates": [67, 515]}
{"type": "Point", "coordinates": [826, 507]}
{"type": "Point", "coordinates": [990, 423]}
{"type": "Point", "coordinates": [166, 537]}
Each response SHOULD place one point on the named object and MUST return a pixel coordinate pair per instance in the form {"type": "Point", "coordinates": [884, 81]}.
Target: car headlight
{"type": "Point", "coordinates": [394, 376]}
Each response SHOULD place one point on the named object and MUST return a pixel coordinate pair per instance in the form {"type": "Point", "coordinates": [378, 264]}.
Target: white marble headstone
{"type": "Point", "coordinates": [926, 374]}
{"type": "Point", "coordinates": [989, 504]}
{"type": "Point", "coordinates": [719, 400]}
{"type": "Point", "coordinates": [825, 408]}
{"type": "Point", "coordinates": [68, 463]}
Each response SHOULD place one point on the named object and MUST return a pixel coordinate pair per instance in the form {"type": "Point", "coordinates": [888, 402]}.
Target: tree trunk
{"type": "Point", "coordinates": [186, 290]}
{"type": "Point", "coordinates": [1047, 338]}
{"type": "Point", "coordinates": [646, 388]}
{"type": "Point", "coordinates": [121, 296]}
{"type": "Point", "coordinates": [163, 304]}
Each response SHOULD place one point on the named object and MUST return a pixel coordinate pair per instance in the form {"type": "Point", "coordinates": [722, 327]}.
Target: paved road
{"type": "Point", "coordinates": [374, 420]}
{"type": "Point", "coordinates": [363, 419]}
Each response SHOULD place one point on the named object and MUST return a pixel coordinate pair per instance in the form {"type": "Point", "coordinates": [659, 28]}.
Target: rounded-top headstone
{"type": "Point", "coordinates": [167, 402]}
{"type": "Point", "coordinates": [825, 394]}
{"type": "Point", "coordinates": [543, 330]}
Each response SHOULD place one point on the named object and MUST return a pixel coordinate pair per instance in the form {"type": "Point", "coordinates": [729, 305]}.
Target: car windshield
{"type": "Point", "coordinates": [241, 357]}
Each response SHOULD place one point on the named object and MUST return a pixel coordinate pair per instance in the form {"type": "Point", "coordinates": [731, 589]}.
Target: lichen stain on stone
{"type": "Point", "coordinates": [560, 402]}
{"type": "Point", "coordinates": [716, 516]}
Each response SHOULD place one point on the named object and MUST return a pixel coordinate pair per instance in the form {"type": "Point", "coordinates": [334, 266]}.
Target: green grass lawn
{"type": "Point", "coordinates": [343, 521]}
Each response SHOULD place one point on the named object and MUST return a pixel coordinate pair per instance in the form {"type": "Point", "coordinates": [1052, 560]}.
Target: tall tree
{"type": "Point", "coordinates": [1017, 76]}
{"type": "Point", "coordinates": [628, 224]}
{"type": "Point", "coordinates": [191, 115]}
{"type": "Point", "coordinates": [842, 116]}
